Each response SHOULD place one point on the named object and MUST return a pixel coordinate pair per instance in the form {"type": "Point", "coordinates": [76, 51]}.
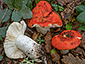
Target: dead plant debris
{"type": "Point", "coordinates": [70, 59]}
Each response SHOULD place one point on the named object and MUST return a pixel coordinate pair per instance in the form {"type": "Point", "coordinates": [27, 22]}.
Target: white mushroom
{"type": "Point", "coordinates": [17, 45]}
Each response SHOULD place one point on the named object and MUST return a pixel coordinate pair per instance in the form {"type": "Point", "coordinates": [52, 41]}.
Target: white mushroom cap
{"type": "Point", "coordinates": [14, 30]}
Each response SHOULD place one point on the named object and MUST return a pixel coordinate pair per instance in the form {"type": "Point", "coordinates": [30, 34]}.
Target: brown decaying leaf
{"type": "Point", "coordinates": [10, 62]}
{"type": "Point", "coordinates": [78, 52]}
{"type": "Point", "coordinates": [55, 57]}
{"type": "Point", "coordinates": [29, 31]}
{"type": "Point", "coordinates": [74, 24]}
{"type": "Point", "coordinates": [15, 62]}
{"type": "Point", "coordinates": [47, 39]}
{"type": "Point", "coordinates": [49, 62]}
{"type": "Point", "coordinates": [83, 41]}
{"type": "Point", "coordinates": [1, 4]}
{"type": "Point", "coordinates": [55, 30]}
{"type": "Point", "coordinates": [1, 48]}
{"type": "Point", "coordinates": [69, 10]}
{"type": "Point", "coordinates": [35, 36]}
{"type": "Point", "coordinates": [64, 2]}
{"type": "Point", "coordinates": [70, 59]}
{"type": "Point", "coordinates": [48, 48]}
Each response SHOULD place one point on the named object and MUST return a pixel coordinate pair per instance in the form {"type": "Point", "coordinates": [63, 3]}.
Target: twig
{"type": "Point", "coordinates": [4, 15]}
{"type": "Point", "coordinates": [15, 9]}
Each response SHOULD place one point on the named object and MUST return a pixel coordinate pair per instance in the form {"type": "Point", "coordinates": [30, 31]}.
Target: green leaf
{"type": "Point", "coordinates": [16, 16]}
{"type": "Point", "coordinates": [77, 25]}
{"type": "Point", "coordinates": [48, 1]}
{"type": "Point", "coordinates": [42, 40]}
{"type": "Point", "coordinates": [39, 37]}
{"type": "Point", "coordinates": [81, 17]}
{"type": "Point", "coordinates": [68, 26]}
{"type": "Point", "coordinates": [3, 31]}
{"type": "Point", "coordinates": [61, 8]}
{"type": "Point", "coordinates": [52, 51]}
{"type": "Point", "coordinates": [9, 3]}
{"type": "Point", "coordinates": [80, 8]}
{"type": "Point", "coordinates": [1, 57]}
{"type": "Point", "coordinates": [27, 61]}
{"type": "Point", "coordinates": [25, 12]}
{"type": "Point", "coordinates": [82, 28]}
{"type": "Point", "coordinates": [39, 42]}
{"type": "Point", "coordinates": [14, 4]}
{"type": "Point", "coordinates": [29, 4]}
{"type": "Point", "coordinates": [7, 15]}
{"type": "Point", "coordinates": [0, 36]}
{"type": "Point", "coordinates": [55, 6]}
{"type": "Point", "coordinates": [36, 1]}
{"type": "Point", "coordinates": [18, 4]}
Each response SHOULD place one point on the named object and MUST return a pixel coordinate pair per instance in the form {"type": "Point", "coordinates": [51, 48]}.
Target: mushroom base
{"type": "Point", "coordinates": [42, 30]}
{"type": "Point", "coordinates": [64, 51]}
{"type": "Point", "coordinates": [29, 47]}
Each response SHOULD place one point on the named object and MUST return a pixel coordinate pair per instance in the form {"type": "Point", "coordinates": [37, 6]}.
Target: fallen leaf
{"type": "Point", "coordinates": [78, 52]}
{"type": "Point", "coordinates": [55, 56]}
{"type": "Point", "coordinates": [49, 62]}
{"type": "Point", "coordinates": [48, 48]}
{"type": "Point", "coordinates": [69, 10]}
{"type": "Point", "coordinates": [35, 36]}
{"type": "Point", "coordinates": [83, 40]}
{"type": "Point", "coordinates": [48, 38]}
{"type": "Point", "coordinates": [70, 59]}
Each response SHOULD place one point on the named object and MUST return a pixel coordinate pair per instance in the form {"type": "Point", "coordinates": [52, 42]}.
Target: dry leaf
{"type": "Point", "coordinates": [83, 40]}
{"type": "Point", "coordinates": [70, 59]}
{"type": "Point", "coordinates": [35, 36]}
{"type": "Point", "coordinates": [69, 10]}
{"type": "Point", "coordinates": [48, 38]}
{"type": "Point", "coordinates": [78, 52]}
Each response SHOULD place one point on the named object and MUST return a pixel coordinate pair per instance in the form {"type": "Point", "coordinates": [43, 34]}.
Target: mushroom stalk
{"type": "Point", "coordinates": [28, 46]}
{"type": "Point", "coordinates": [41, 29]}
{"type": "Point", "coordinates": [64, 51]}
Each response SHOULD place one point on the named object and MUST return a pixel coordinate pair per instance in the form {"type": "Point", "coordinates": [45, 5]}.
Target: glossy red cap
{"type": "Point", "coordinates": [68, 39]}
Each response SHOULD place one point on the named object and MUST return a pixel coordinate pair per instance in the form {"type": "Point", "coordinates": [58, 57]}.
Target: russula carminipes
{"type": "Point", "coordinates": [17, 45]}
{"type": "Point", "coordinates": [43, 18]}
{"type": "Point", "coordinates": [68, 39]}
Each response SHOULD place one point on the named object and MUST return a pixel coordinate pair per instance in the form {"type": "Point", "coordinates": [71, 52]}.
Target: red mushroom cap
{"type": "Point", "coordinates": [43, 16]}
{"type": "Point", "coordinates": [42, 8]}
{"type": "Point", "coordinates": [68, 39]}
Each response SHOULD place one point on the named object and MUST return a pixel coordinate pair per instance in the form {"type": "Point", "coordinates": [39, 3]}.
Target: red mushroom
{"type": "Point", "coordinates": [43, 18]}
{"type": "Point", "coordinates": [68, 39]}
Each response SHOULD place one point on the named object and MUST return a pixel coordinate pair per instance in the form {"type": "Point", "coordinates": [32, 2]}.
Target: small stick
{"type": "Point", "coordinates": [4, 15]}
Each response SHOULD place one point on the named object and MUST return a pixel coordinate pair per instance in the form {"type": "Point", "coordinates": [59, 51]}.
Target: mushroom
{"type": "Point", "coordinates": [43, 18]}
{"type": "Point", "coordinates": [68, 39]}
{"type": "Point", "coordinates": [17, 45]}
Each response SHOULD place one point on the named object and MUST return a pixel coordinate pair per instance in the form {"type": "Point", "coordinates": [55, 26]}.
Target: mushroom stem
{"type": "Point", "coordinates": [42, 30]}
{"type": "Point", "coordinates": [64, 51]}
{"type": "Point", "coordinates": [28, 46]}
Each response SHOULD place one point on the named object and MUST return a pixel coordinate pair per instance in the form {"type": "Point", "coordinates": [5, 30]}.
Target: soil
{"type": "Point", "coordinates": [74, 56]}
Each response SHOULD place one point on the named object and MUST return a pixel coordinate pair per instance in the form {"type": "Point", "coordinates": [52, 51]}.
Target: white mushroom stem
{"type": "Point", "coordinates": [28, 46]}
